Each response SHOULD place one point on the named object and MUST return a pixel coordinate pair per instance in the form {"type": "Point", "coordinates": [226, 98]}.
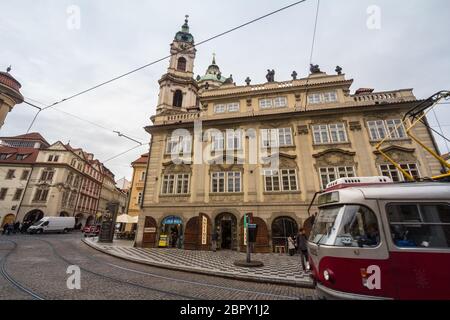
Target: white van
{"type": "Point", "coordinates": [53, 224]}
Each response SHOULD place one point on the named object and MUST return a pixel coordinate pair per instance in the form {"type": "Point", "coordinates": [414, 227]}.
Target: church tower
{"type": "Point", "coordinates": [178, 89]}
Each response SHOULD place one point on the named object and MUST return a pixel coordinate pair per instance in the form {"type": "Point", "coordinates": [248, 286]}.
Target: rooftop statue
{"type": "Point", "coordinates": [270, 75]}
{"type": "Point", "coordinates": [314, 68]}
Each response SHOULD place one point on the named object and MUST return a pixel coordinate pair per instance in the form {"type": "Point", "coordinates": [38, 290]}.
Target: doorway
{"type": "Point", "coordinates": [225, 226]}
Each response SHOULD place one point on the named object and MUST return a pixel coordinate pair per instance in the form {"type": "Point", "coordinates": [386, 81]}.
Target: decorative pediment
{"type": "Point", "coordinates": [285, 160]}
{"type": "Point", "coordinates": [171, 167]}
{"type": "Point", "coordinates": [57, 146]}
{"type": "Point", "coordinates": [226, 163]}
{"type": "Point", "coordinates": [335, 157]}
{"type": "Point", "coordinates": [393, 148]}
{"type": "Point", "coordinates": [396, 153]}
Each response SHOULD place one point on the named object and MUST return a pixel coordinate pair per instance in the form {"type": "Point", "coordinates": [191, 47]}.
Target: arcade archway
{"type": "Point", "coordinates": [226, 226]}
{"type": "Point", "coordinates": [34, 216]}
{"type": "Point", "coordinates": [282, 228]}
{"type": "Point", "coordinates": [171, 231]}
{"type": "Point", "coordinates": [9, 218]}
{"type": "Point", "coordinates": [149, 235]}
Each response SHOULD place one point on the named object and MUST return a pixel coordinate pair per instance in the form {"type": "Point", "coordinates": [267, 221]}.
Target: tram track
{"type": "Point", "coordinates": [190, 282]}
{"type": "Point", "coordinates": [202, 286]}
{"type": "Point", "coordinates": [11, 280]}
{"type": "Point", "coordinates": [113, 279]}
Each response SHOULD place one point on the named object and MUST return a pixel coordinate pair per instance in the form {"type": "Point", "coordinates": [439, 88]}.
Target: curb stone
{"type": "Point", "coordinates": [296, 283]}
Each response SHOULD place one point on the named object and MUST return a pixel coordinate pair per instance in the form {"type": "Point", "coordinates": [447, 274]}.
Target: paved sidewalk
{"type": "Point", "coordinates": [280, 269]}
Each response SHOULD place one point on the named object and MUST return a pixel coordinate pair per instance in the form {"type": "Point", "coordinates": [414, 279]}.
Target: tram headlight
{"type": "Point", "coordinates": [326, 275]}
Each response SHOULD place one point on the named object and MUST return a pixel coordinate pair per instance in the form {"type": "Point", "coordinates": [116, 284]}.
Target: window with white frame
{"type": "Point", "coordinates": [280, 102]}
{"type": "Point", "coordinates": [220, 108]}
{"type": "Point", "coordinates": [226, 182]}
{"type": "Point", "coordinates": [284, 137]}
{"type": "Point", "coordinates": [175, 184]}
{"type": "Point", "coordinates": [234, 139]}
{"type": "Point", "coordinates": [142, 176]}
{"type": "Point", "coordinates": [330, 174]}
{"type": "Point", "coordinates": [391, 171]}
{"type": "Point", "coordinates": [320, 133]}
{"type": "Point", "coordinates": [324, 97]}
{"type": "Point", "coordinates": [217, 141]}
{"type": "Point", "coordinates": [395, 128]}
{"type": "Point", "coordinates": [218, 182]}
{"type": "Point", "coordinates": [276, 137]}
{"type": "Point", "coordinates": [182, 183]}
{"type": "Point", "coordinates": [329, 96]}
{"type": "Point", "coordinates": [277, 102]}
{"type": "Point", "coordinates": [227, 107]}
{"type": "Point", "coordinates": [139, 198]}
{"type": "Point", "coordinates": [234, 181]}
{"type": "Point", "coordinates": [280, 180]}
{"type": "Point", "coordinates": [314, 98]}
{"type": "Point", "coordinates": [329, 133]}
{"type": "Point", "coordinates": [380, 129]}
{"type": "Point", "coordinates": [265, 103]}
{"type": "Point", "coordinates": [233, 107]}
{"type": "Point", "coordinates": [179, 144]}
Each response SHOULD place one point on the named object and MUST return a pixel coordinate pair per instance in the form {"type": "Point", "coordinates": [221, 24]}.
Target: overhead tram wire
{"type": "Point", "coordinates": [312, 49]}
{"type": "Point", "coordinates": [119, 133]}
{"type": "Point", "coordinates": [164, 58]}
{"type": "Point", "coordinates": [168, 56]}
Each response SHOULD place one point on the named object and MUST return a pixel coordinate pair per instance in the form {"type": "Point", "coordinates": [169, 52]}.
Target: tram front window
{"type": "Point", "coordinates": [346, 226]}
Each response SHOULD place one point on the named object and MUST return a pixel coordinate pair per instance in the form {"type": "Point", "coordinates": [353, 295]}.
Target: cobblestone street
{"type": "Point", "coordinates": [278, 268]}
{"type": "Point", "coordinates": [35, 267]}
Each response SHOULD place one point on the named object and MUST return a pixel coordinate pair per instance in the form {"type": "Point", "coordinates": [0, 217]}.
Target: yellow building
{"type": "Point", "coordinates": [221, 150]}
{"type": "Point", "coordinates": [137, 188]}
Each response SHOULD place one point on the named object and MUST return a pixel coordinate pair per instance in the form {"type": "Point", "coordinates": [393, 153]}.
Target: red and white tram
{"type": "Point", "coordinates": [374, 239]}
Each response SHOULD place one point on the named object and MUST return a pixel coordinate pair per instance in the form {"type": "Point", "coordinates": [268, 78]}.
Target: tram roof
{"type": "Point", "coordinates": [399, 191]}
{"type": "Point", "coordinates": [407, 191]}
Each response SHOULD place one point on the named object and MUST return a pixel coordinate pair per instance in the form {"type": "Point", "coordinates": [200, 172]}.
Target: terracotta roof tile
{"type": "Point", "coordinates": [31, 153]}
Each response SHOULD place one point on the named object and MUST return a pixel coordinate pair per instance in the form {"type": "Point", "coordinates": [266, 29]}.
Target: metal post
{"type": "Point", "coordinates": [248, 245]}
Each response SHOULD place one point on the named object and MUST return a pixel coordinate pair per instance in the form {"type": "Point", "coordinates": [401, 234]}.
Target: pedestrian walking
{"type": "Point", "coordinates": [5, 228]}
{"type": "Point", "coordinates": [214, 238]}
{"type": "Point", "coordinates": [10, 229]}
{"type": "Point", "coordinates": [302, 247]}
{"type": "Point", "coordinates": [16, 227]}
{"type": "Point", "coordinates": [291, 245]}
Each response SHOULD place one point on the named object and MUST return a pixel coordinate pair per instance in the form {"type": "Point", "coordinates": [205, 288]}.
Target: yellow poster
{"type": "Point", "coordinates": [163, 241]}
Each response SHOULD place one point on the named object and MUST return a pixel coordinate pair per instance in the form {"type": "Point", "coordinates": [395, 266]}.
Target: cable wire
{"type": "Point", "coordinates": [168, 56]}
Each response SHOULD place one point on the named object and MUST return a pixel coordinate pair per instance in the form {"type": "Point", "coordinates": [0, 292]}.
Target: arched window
{"type": "Point", "coordinates": [181, 65]}
{"type": "Point", "coordinates": [178, 99]}
{"type": "Point", "coordinates": [282, 228]}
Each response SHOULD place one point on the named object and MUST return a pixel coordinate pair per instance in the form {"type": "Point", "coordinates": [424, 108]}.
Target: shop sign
{"type": "Point", "coordinates": [150, 230]}
{"type": "Point", "coordinates": [204, 230]}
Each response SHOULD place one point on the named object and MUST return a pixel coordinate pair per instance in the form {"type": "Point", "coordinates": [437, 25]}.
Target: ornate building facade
{"type": "Point", "coordinates": [38, 179]}
{"type": "Point", "coordinates": [316, 127]}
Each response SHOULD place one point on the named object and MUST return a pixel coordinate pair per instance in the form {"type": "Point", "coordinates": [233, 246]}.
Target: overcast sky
{"type": "Point", "coordinates": [410, 50]}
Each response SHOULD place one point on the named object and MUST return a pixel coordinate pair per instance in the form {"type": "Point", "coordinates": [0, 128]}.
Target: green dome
{"type": "Point", "coordinates": [212, 77]}
{"type": "Point", "coordinates": [213, 73]}
{"type": "Point", "coordinates": [184, 35]}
